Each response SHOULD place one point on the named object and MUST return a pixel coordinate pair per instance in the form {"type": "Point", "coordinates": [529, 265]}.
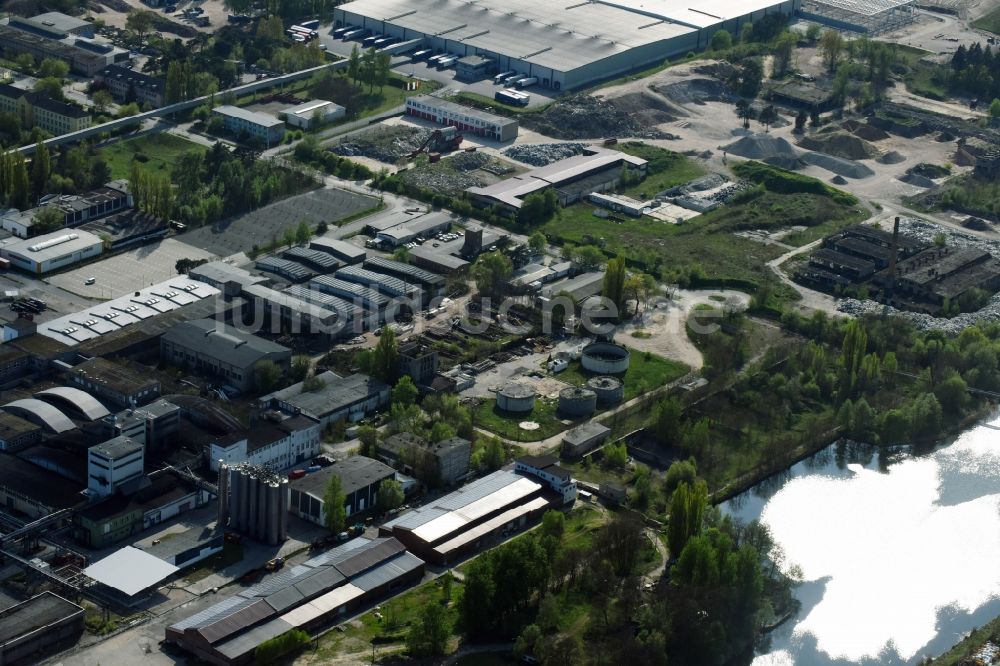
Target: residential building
{"type": "Point", "coordinates": [262, 127]}
{"type": "Point", "coordinates": [306, 115]}
{"type": "Point", "coordinates": [113, 464]}
{"type": "Point", "coordinates": [113, 383]}
{"type": "Point", "coordinates": [39, 110]}
{"type": "Point", "coordinates": [339, 398]}
{"type": "Point", "coordinates": [465, 118]}
{"type": "Point", "coordinates": [548, 470]}
{"type": "Point", "coordinates": [127, 85]}
{"type": "Point", "coordinates": [360, 478]}
{"type": "Point", "coordinates": [278, 441]}
{"type": "Point", "coordinates": [218, 350]}
{"type": "Point", "coordinates": [48, 252]}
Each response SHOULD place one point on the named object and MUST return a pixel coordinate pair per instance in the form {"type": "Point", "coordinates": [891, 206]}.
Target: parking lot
{"type": "Point", "coordinates": [129, 271]}
{"type": "Point", "coordinates": [262, 226]}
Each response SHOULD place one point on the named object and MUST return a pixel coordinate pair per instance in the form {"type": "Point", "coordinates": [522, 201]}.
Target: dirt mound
{"type": "Point", "coordinates": [837, 165]}
{"type": "Point", "coordinates": [838, 180]}
{"type": "Point", "coordinates": [785, 162]}
{"type": "Point", "coordinates": [891, 157]}
{"type": "Point", "coordinates": [917, 180]}
{"type": "Point", "coordinates": [696, 91]}
{"type": "Point", "coordinates": [945, 137]}
{"type": "Point", "coordinates": [964, 158]}
{"type": "Point", "coordinates": [870, 133]}
{"type": "Point", "coordinates": [839, 144]}
{"type": "Point", "coordinates": [589, 117]}
{"type": "Point", "coordinates": [761, 147]}
{"type": "Point", "coordinates": [929, 170]}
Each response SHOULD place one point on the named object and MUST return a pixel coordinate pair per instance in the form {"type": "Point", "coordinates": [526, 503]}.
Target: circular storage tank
{"type": "Point", "coordinates": [577, 401]}
{"type": "Point", "coordinates": [610, 390]}
{"type": "Point", "coordinates": [516, 397]}
{"type": "Point", "coordinates": [604, 358]}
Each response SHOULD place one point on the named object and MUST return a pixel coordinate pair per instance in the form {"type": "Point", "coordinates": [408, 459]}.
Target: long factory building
{"type": "Point", "coordinates": [565, 45]}
{"type": "Point", "coordinates": [310, 596]}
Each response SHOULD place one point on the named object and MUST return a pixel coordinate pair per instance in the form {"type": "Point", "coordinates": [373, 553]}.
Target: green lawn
{"type": "Point", "coordinates": [990, 22]}
{"type": "Point", "coordinates": [389, 633]}
{"type": "Point", "coordinates": [645, 373]}
{"type": "Point", "coordinates": [922, 78]}
{"type": "Point", "coordinates": [487, 415]}
{"type": "Point", "coordinates": [155, 152]}
{"type": "Point", "coordinates": [666, 169]}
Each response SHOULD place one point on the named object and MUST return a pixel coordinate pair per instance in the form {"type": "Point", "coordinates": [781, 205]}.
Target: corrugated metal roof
{"type": "Point", "coordinates": [381, 550]}
{"type": "Point", "coordinates": [327, 603]}
{"type": "Point", "coordinates": [470, 535]}
{"type": "Point", "coordinates": [223, 627]}
{"type": "Point", "coordinates": [388, 571]}
{"type": "Point", "coordinates": [284, 599]}
{"type": "Point", "coordinates": [229, 605]}
{"type": "Point", "coordinates": [278, 581]}
{"type": "Point", "coordinates": [338, 552]}
{"type": "Point", "coordinates": [243, 644]}
{"type": "Point", "coordinates": [323, 579]}
{"type": "Point", "coordinates": [345, 289]}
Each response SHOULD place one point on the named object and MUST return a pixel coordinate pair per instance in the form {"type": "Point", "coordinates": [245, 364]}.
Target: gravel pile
{"type": "Point", "coordinates": [696, 91]}
{"type": "Point", "coordinates": [891, 157]}
{"type": "Point", "coordinates": [926, 232]}
{"type": "Point", "coordinates": [837, 165]}
{"type": "Point", "coordinates": [540, 154]}
{"type": "Point", "coordinates": [444, 181]}
{"type": "Point", "coordinates": [589, 117]}
{"type": "Point", "coordinates": [760, 147]}
{"type": "Point", "coordinates": [839, 144]}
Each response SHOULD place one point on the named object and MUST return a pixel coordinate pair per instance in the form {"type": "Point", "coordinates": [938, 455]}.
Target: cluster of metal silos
{"type": "Point", "coordinates": [577, 401]}
{"type": "Point", "coordinates": [255, 501]}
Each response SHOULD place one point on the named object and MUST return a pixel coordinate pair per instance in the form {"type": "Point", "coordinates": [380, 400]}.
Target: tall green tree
{"type": "Point", "coordinates": [140, 21]}
{"type": "Point", "coordinates": [492, 272]}
{"type": "Point", "coordinates": [831, 45]}
{"type": "Point", "coordinates": [383, 69]}
{"type": "Point", "coordinates": [614, 282]}
{"type": "Point", "coordinates": [369, 68]}
{"type": "Point", "coordinates": [429, 635]}
{"type": "Point", "coordinates": [20, 186]}
{"type": "Point", "coordinates": [354, 65]}
{"type": "Point", "coordinates": [390, 495]}
{"type": "Point", "coordinates": [266, 376]}
{"type": "Point", "coordinates": [334, 509]}
{"type": "Point", "coordinates": [687, 509]}
{"type": "Point", "coordinates": [384, 355]}
{"type": "Point", "coordinates": [405, 392]}
{"type": "Point", "coordinates": [41, 169]}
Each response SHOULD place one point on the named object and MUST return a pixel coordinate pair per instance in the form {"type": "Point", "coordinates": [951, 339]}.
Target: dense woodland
{"type": "Point", "coordinates": [975, 72]}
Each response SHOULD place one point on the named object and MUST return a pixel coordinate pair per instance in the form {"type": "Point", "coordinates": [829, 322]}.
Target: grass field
{"type": "Point", "coordinates": [922, 78]}
{"type": "Point", "coordinates": [155, 152]}
{"type": "Point", "coordinates": [665, 169]}
{"type": "Point", "coordinates": [505, 424]}
{"type": "Point", "coordinates": [645, 373]}
{"type": "Point", "coordinates": [990, 22]}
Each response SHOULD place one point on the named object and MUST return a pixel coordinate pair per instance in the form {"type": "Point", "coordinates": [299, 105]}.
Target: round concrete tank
{"type": "Point", "coordinates": [610, 390]}
{"type": "Point", "coordinates": [516, 397]}
{"type": "Point", "coordinates": [605, 358]}
{"type": "Point", "coordinates": [577, 401]}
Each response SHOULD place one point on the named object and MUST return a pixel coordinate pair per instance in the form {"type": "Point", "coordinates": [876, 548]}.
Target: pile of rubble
{"type": "Point", "coordinates": [927, 232]}
{"type": "Point", "coordinates": [442, 178]}
{"type": "Point", "coordinates": [589, 117]}
{"type": "Point", "coordinates": [540, 154]}
{"type": "Point", "coordinates": [385, 143]}
{"type": "Point", "coordinates": [839, 144]}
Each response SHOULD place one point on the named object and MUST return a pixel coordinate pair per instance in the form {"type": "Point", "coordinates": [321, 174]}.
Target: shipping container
{"type": "Point", "coordinates": [527, 81]}
{"type": "Point", "coordinates": [421, 54]}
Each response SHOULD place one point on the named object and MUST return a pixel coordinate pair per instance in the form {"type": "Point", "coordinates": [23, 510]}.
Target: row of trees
{"type": "Point", "coordinates": [372, 68]}
{"type": "Point", "coordinates": [152, 191]}
{"type": "Point", "coordinates": [976, 71]}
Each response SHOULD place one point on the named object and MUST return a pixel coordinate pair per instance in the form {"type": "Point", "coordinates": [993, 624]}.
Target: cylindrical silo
{"type": "Point", "coordinates": [610, 390]}
{"type": "Point", "coordinates": [260, 527]}
{"type": "Point", "coordinates": [283, 510]}
{"type": "Point", "coordinates": [605, 358]}
{"type": "Point", "coordinates": [238, 503]}
{"type": "Point", "coordinates": [514, 397]}
{"type": "Point", "coordinates": [577, 401]}
{"type": "Point", "coordinates": [252, 491]}
{"type": "Point", "coordinates": [273, 507]}
{"type": "Point", "coordinates": [223, 520]}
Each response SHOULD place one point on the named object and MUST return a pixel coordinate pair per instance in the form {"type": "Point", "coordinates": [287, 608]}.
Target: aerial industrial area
{"type": "Point", "coordinates": [451, 331]}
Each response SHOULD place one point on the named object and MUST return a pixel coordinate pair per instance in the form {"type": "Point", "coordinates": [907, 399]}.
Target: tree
{"type": "Point", "coordinates": [995, 108]}
{"type": "Point", "coordinates": [784, 48]}
{"type": "Point", "coordinates": [680, 471]}
{"type": "Point", "coordinates": [273, 649]}
{"type": "Point", "coordinates": [390, 495]}
{"type": "Point", "coordinates": [369, 68]}
{"type": "Point", "coordinates": [429, 635]}
{"type": "Point", "coordinates": [768, 116]}
{"type": "Point", "coordinates": [722, 41]}
{"type": "Point", "coordinates": [614, 281]}
{"type": "Point", "coordinates": [812, 32]}
{"type": "Point", "coordinates": [687, 509]}
{"type": "Point", "coordinates": [527, 640]}
{"type": "Point", "coordinates": [492, 272]}
{"type": "Point", "coordinates": [405, 392]}
{"type": "Point", "coordinates": [300, 368]}
{"type": "Point", "coordinates": [303, 233]}
{"type": "Point", "coordinates": [743, 112]}
{"type": "Point", "coordinates": [140, 21]}
{"type": "Point", "coordinates": [50, 87]}
{"type": "Point", "coordinates": [184, 266]}
{"type": "Point", "coordinates": [383, 69]}
{"type": "Point", "coordinates": [831, 44]}
{"type": "Point", "coordinates": [537, 242]}
{"type": "Point", "coordinates": [53, 68]}
{"type": "Point", "coordinates": [354, 65]}
{"type": "Point", "coordinates": [41, 169]}
{"type": "Point", "coordinates": [494, 455]}
{"type": "Point", "coordinates": [176, 88]}
{"type": "Point", "coordinates": [19, 188]}
{"type": "Point", "coordinates": [384, 355]}
{"type": "Point", "coordinates": [48, 218]}
{"type": "Point", "coordinates": [554, 524]}
{"type": "Point", "coordinates": [667, 421]}
{"type": "Point", "coordinates": [368, 436]}
{"type": "Point", "coordinates": [102, 100]}
{"type": "Point", "coordinates": [537, 208]}
{"type": "Point", "coordinates": [266, 375]}
{"type": "Point", "coordinates": [588, 257]}
{"type": "Point", "coordinates": [25, 62]}
{"type": "Point", "coordinates": [334, 509]}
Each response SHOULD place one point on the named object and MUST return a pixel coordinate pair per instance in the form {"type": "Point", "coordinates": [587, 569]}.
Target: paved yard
{"type": "Point", "coordinates": [259, 227]}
